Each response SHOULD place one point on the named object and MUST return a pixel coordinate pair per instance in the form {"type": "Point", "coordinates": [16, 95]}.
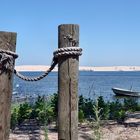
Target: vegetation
{"type": "Point", "coordinates": [42, 111]}
{"type": "Point", "coordinates": [109, 110]}
{"type": "Point", "coordinates": [97, 120]}
{"type": "Point", "coordinates": [45, 111]}
{"type": "Point", "coordinates": [14, 116]}
{"type": "Point", "coordinates": [46, 132]}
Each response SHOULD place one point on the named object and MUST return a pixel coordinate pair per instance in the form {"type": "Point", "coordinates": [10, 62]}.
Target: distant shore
{"type": "Point", "coordinates": [81, 68]}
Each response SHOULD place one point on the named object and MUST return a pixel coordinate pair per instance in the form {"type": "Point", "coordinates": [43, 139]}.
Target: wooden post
{"type": "Point", "coordinates": [68, 36]}
{"type": "Point", "coordinates": [7, 42]}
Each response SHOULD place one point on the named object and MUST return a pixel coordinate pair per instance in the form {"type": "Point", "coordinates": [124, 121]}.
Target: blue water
{"type": "Point", "coordinates": [91, 84]}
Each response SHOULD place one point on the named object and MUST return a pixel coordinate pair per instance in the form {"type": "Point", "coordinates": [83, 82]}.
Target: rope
{"type": "Point", "coordinates": [68, 51]}
{"type": "Point", "coordinates": [9, 53]}
{"type": "Point", "coordinates": [54, 63]}
{"type": "Point", "coordinates": [7, 61]}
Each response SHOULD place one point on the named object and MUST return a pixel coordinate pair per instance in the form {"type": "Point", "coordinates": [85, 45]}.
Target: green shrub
{"type": "Point", "coordinates": [45, 115]}
{"type": "Point", "coordinates": [86, 105]}
{"type": "Point", "coordinates": [14, 118]}
{"type": "Point", "coordinates": [42, 110]}
{"type": "Point", "coordinates": [138, 107]}
{"type": "Point", "coordinates": [120, 116]}
{"type": "Point", "coordinates": [24, 112]}
{"type": "Point", "coordinates": [114, 108]}
{"type": "Point", "coordinates": [130, 104]}
{"type": "Point", "coordinates": [38, 107]}
{"type": "Point", "coordinates": [81, 102]}
{"type": "Point", "coordinates": [105, 108]}
{"type": "Point", "coordinates": [97, 121]}
{"type": "Point", "coordinates": [81, 116]}
{"type": "Point", "coordinates": [54, 105]}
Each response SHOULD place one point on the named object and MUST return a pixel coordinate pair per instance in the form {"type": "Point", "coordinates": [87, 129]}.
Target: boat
{"type": "Point", "coordinates": [125, 92]}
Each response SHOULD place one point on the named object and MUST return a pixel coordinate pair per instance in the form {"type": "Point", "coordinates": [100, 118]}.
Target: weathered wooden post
{"type": "Point", "coordinates": [7, 42]}
{"type": "Point", "coordinates": [68, 36]}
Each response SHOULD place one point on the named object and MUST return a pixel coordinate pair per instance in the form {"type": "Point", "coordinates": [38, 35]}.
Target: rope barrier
{"type": "Point", "coordinates": [61, 52]}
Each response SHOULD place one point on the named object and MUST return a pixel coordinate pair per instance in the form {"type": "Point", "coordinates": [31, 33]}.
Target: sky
{"type": "Point", "coordinates": [109, 29]}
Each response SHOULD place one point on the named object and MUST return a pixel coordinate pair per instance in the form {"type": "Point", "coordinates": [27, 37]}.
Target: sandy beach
{"type": "Point", "coordinates": [81, 68]}
{"type": "Point", "coordinates": [129, 130]}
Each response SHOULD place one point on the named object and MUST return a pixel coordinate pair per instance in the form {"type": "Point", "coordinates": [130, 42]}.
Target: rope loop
{"type": "Point", "coordinates": [68, 51]}
{"type": "Point", "coordinates": [7, 60]}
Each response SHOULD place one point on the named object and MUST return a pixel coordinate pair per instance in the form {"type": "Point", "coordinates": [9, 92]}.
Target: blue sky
{"type": "Point", "coordinates": [109, 29]}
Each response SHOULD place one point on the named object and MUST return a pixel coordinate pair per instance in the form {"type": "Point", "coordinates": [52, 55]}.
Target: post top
{"type": "Point", "coordinates": [68, 25]}
{"type": "Point", "coordinates": [8, 32]}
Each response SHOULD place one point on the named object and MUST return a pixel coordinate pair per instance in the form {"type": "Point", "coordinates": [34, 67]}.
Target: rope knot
{"type": "Point", "coordinates": [6, 60]}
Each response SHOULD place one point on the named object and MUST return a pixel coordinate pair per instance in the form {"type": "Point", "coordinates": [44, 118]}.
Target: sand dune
{"type": "Point", "coordinates": [33, 68]}
{"type": "Point", "coordinates": [81, 68]}
{"type": "Point", "coordinates": [112, 68]}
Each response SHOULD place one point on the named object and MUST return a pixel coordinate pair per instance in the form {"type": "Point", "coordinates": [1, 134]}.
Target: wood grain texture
{"type": "Point", "coordinates": [68, 86]}
{"type": "Point", "coordinates": [7, 42]}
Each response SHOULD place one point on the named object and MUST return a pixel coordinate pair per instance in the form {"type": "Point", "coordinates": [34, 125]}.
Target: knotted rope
{"type": "Point", "coordinates": [61, 52]}
{"type": "Point", "coordinates": [7, 60]}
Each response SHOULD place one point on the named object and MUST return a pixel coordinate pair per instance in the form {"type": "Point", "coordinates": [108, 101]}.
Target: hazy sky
{"type": "Point", "coordinates": [109, 29]}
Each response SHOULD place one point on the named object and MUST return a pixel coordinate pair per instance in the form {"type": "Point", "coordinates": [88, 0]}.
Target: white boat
{"type": "Point", "coordinates": [126, 92]}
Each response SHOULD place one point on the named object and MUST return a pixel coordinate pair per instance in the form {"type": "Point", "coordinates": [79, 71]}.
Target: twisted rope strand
{"type": "Point", "coordinates": [9, 53]}
{"type": "Point", "coordinates": [69, 51]}
{"type": "Point", "coordinates": [31, 79]}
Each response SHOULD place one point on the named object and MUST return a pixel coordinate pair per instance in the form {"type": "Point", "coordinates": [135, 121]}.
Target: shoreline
{"type": "Point", "coordinates": [42, 68]}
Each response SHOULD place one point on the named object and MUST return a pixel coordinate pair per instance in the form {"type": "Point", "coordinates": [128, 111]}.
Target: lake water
{"type": "Point", "coordinates": [91, 84]}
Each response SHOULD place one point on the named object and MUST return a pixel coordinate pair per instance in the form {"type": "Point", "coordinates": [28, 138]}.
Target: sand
{"type": "Point", "coordinates": [111, 130]}
{"type": "Point", "coordinates": [81, 68]}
